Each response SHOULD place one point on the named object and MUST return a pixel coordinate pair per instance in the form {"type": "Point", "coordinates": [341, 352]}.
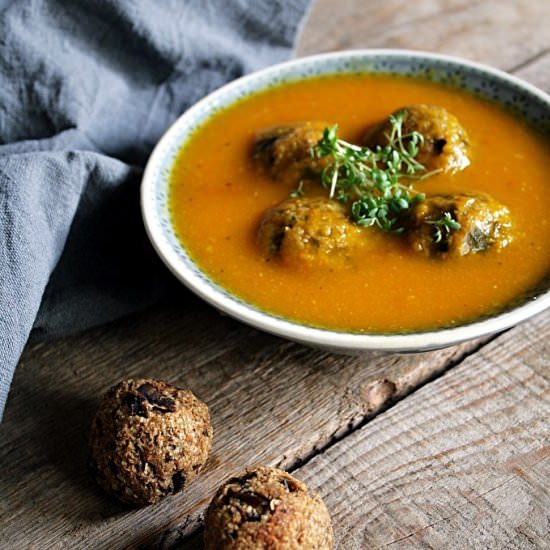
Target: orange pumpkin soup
{"type": "Point", "coordinates": [218, 198]}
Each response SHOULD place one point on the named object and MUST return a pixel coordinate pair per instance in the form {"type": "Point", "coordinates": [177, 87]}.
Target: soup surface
{"type": "Point", "coordinates": [218, 197]}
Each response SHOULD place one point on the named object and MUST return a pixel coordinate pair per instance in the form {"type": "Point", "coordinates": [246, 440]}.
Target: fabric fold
{"type": "Point", "coordinates": [86, 90]}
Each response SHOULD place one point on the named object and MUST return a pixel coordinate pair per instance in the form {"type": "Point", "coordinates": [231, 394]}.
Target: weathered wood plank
{"type": "Point", "coordinates": [511, 37]}
{"type": "Point", "coordinates": [278, 403]}
{"type": "Point", "coordinates": [464, 462]}
{"type": "Point", "coordinates": [271, 401]}
{"type": "Point", "coordinates": [503, 34]}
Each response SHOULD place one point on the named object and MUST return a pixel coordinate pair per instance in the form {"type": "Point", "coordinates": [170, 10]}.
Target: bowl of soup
{"type": "Point", "coordinates": [361, 200]}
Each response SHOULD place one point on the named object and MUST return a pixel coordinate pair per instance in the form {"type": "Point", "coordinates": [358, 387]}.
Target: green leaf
{"type": "Point", "coordinates": [371, 178]}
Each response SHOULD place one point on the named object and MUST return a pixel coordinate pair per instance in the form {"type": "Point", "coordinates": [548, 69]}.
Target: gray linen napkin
{"type": "Point", "coordinates": [86, 89]}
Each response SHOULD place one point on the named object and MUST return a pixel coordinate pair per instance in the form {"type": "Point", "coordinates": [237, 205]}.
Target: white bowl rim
{"type": "Point", "coordinates": [321, 337]}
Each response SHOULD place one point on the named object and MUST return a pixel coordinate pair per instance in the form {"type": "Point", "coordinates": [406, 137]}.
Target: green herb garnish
{"type": "Point", "coordinates": [444, 226]}
{"type": "Point", "coordinates": [299, 191]}
{"type": "Point", "coordinates": [372, 179]}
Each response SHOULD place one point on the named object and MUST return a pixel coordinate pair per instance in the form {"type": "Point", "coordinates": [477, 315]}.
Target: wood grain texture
{"type": "Point", "coordinates": [271, 402]}
{"type": "Point", "coordinates": [461, 463]}
{"type": "Point", "coordinates": [511, 36]}
{"type": "Point", "coordinates": [464, 462]}
{"type": "Point", "coordinates": [503, 34]}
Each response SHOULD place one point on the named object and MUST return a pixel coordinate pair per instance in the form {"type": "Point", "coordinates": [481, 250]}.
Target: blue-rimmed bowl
{"type": "Point", "coordinates": [528, 101]}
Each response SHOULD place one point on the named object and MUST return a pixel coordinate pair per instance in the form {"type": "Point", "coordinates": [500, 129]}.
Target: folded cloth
{"type": "Point", "coordinates": [86, 89]}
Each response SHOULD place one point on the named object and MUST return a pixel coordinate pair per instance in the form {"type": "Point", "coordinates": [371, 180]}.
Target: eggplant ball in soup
{"type": "Point", "coordinates": [445, 146]}
{"type": "Point", "coordinates": [284, 152]}
{"type": "Point", "coordinates": [478, 222]}
{"type": "Point", "coordinates": [305, 231]}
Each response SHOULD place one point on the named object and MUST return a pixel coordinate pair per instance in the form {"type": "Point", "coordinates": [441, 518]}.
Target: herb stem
{"type": "Point", "coordinates": [372, 179]}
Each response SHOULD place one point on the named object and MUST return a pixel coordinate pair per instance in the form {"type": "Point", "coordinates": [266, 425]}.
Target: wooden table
{"type": "Point", "coordinates": [449, 449]}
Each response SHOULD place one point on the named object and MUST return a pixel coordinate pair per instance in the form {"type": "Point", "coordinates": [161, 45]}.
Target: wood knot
{"type": "Point", "coordinates": [378, 392]}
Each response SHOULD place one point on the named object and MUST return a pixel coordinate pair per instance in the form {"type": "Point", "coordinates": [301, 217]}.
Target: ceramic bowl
{"type": "Point", "coordinates": [488, 83]}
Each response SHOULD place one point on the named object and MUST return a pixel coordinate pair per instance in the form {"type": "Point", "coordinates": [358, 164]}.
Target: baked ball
{"type": "Point", "coordinates": [483, 223]}
{"type": "Point", "coordinates": [446, 144]}
{"type": "Point", "coordinates": [308, 230]}
{"type": "Point", "coordinates": [284, 152]}
{"type": "Point", "coordinates": [148, 440]}
{"type": "Point", "coordinates": [267, 508]}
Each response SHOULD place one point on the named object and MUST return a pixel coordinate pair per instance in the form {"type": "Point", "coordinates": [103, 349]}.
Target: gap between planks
{"type": "Point", "coordinates": [463, 462]}
{"type": "Point", "coordinates": [256, 418]}
{"type": "Point", "coordinates": [511, 36]}
{"type": "Point", "coordinates": [182, 539]}
{"type": "Point", "coordinates": [476, 474]}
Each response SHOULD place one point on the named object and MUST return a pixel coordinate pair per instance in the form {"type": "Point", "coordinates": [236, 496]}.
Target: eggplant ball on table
{"type": "Point", "coordinates": [307, 231]}
{"type": "Point", "coordinates": [267, 508]}
{"type": "Point", "coordinates": [148, 440]}
{"type": "Point", "coordinates": [446, 145]}
{"type": "Point", "coordinates": [483, 223]}
{"type": "Point", "coordinates": [284, 152]}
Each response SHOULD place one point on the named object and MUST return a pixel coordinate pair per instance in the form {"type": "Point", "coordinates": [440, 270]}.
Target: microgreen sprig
{"type": "Point", "coordinates": [444, 226]}
{"type": "Point", "coordinates": [372, 178]}
{"type": "Point", "coordinates": [299, 191]}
